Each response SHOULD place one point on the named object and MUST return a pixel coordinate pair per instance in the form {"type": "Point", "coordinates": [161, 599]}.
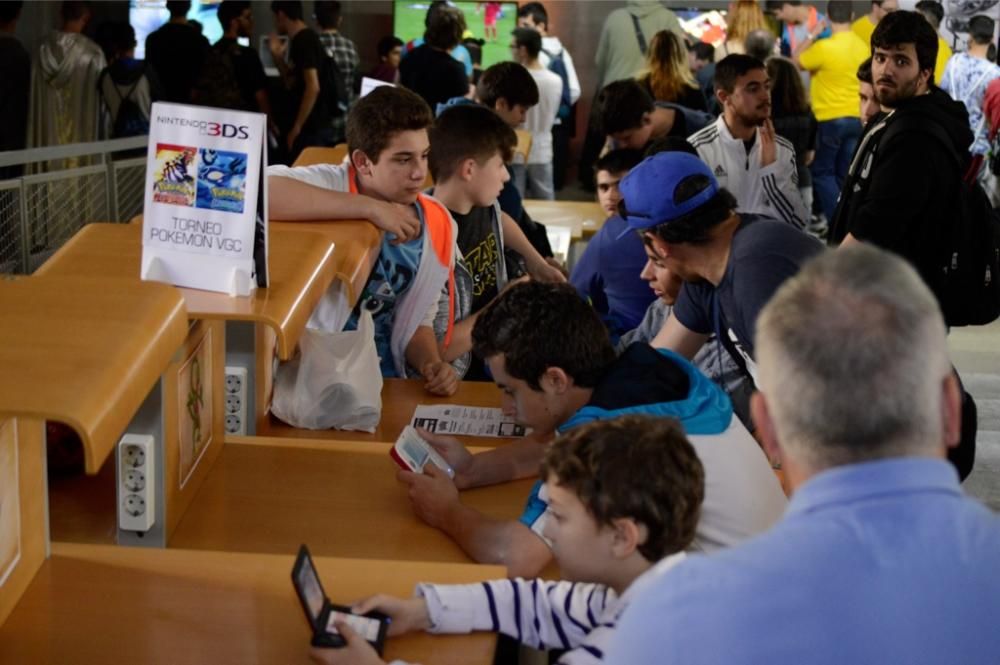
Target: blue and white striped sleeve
{"type": "Point", "coordinates": [537, 613]}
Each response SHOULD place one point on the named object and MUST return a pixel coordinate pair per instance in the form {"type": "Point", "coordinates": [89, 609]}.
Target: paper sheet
{"type": "Point", "coordinates": [466, 420]}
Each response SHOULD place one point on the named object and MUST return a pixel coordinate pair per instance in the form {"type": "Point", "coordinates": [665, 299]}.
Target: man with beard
{"type": "Point", "coordinates": [745, 154]}
{"type": "Point", "coordinates": [905, 182]}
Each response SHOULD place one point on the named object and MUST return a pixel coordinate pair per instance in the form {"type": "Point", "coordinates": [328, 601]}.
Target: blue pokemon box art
{"type": "Point", "coordinates": [221, 180]}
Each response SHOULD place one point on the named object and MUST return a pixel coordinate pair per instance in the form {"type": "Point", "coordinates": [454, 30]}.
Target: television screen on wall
{"type": "Point", "coordinates": [491, 22]}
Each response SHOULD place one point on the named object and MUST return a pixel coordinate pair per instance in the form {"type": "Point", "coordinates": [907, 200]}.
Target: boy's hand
{"type": "Point", "coordinates": [407, 614]}
{"type": "Point", "coordinates": [543, 271]}
{"type": "Point", "coordinates": [453, 452]}
{"type": "Point", "coordinates": [395, 218]}
{"type": "Point", "coordinates": [357, 651]}
{"type": "Point", "coordinates": [441, 377]}
{"type": "Point", "coordinates": [768, 146]}
{"type": "Point", "coordinates": [432, 493]}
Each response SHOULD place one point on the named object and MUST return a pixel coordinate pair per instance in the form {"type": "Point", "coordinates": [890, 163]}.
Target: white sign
{"type": "Point", "coordinates": [468, 420]}
{"type": "Point", "coordinates": [205, 215]}
{"type": "Point", "coordinates": [369, 84]}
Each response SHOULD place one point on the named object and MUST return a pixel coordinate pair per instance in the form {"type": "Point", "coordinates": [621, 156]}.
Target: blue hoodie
{"type": "Point", "coordinates": [651, 382]}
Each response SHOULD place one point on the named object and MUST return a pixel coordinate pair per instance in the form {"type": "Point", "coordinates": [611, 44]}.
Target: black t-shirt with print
{"type": "Point", "coordinates": [480, 246]}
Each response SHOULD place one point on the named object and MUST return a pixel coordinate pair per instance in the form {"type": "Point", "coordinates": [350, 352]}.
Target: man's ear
{"type": "Point", "coordinates": [555, 379]}
{"type": "Point", "coordinates": [467, 169]}
{"type": "Point", "coordinates": [628, 536]}
{"type": "Point", "coordinates": [647, 119]}
{"type": "Point", "coordinates": [362, 163]}
{"type": "Point", "coordinates": [951, 406]}
{"type": "Point", "coordinates": [502, 105]}
{"type": "Point", "coordinates": [722, 96]}
{"type": "Point", "coordinates": [761, 416]}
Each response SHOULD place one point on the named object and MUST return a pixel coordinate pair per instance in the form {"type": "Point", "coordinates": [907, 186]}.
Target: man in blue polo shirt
{"type": "Point", "coordinates": [551, 356]}
{"type": "Point", "coordinates": [880, 557]}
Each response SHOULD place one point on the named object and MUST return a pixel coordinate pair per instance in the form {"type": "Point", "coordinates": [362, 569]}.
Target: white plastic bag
{"type": "Point", "coordinates": [333, 382]}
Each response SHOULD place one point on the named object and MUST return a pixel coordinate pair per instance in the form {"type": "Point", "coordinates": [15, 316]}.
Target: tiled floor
{"type": "Point", "coordinates": [976, 354]}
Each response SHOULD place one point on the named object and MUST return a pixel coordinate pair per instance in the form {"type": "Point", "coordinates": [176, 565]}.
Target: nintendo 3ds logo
{"type": "Point", "coordinates": [208, 128]}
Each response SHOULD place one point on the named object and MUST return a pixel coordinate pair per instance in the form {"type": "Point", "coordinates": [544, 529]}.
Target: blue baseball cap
{"type": "Point", "coordinates": [649, 190]}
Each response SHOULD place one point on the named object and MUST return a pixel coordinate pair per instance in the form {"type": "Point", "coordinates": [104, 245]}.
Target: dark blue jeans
{"type": "Point", "coordinates": [835, 144]}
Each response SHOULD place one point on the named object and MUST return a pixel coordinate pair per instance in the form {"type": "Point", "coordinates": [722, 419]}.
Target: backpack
{"type": "Point", "coordinates": [694, 120]}
{"type": "Point", "coordinates": [217, 85]}
{"type": "Point", "coordinates": [129, 120]}
{"type": "Point", "coordinates": [969, 285]}
{"type": "Point", "coordinates": [557, 65]}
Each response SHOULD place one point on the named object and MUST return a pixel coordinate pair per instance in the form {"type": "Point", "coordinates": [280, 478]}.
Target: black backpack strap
{"type": "Point", "coordinates": [641, 38]}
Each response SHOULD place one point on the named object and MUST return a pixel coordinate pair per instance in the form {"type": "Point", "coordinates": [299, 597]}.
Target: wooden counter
{"type": "Point", "coordinates": [95, 605]}
{"type": "Point", "coordinates": [400, 398]}
{"type": "Point", "coordinates": [342, 498]}
{"type": "Point", "coordinates": [300, 264]}
{"type": "Point", "coordinates": [85, 351]}
{"type": "Point", "coordinates": [583, 218]}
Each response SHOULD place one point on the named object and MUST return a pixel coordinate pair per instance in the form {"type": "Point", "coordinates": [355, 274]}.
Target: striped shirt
{"type": "Point", "coordinates": [577, 617]}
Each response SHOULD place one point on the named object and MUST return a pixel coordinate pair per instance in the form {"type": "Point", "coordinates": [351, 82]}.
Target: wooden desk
{"type": "Point", "coordinates": [584, 218]}
{"type": "Point", "coordinates": [85, 351]}
{"type": "Point", "coordinates": [300, 264]}
{"type": "Point", "coordinates": [320, 155]}
{"type": "Point", "coordinates": [400, 398]}
{"type": "Point", "coordinates": [95, 605]}
{"type": "Point", "coordinates": [342, 498]}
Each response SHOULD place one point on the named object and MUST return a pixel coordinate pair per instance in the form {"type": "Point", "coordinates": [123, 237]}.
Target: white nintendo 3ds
{"type": "Point", "coordinates": [322, 615]}
{"type": "Point", "coordinates": [413, 453]}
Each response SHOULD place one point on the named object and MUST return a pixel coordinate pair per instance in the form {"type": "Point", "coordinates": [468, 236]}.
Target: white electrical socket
{"type": "Point", "coordinates": [236, 400]}
{"type": "Point", "coordinates": [136, 482]}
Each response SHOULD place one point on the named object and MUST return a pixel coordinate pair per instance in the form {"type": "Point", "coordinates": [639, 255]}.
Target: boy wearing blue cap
{"type": "Point", "coordinates": [731, 263]}
{"type": "Point", "coordinates": [550, 354]}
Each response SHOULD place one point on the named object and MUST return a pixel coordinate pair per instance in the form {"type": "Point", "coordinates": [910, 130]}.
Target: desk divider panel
{"type": "Point", "coordinates": [23, 508]}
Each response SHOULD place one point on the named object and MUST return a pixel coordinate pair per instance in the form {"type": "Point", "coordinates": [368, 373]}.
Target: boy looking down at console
{"type": "Point", "coordinates": [626, 495]}
{"type": "Point", "coordinates": [551, 355]}
{"type": "Point", "coordinates": [382, 180]}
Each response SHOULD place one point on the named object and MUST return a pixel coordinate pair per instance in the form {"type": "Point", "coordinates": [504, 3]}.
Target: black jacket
{"type": "Point", "coordinates": [904, 183]}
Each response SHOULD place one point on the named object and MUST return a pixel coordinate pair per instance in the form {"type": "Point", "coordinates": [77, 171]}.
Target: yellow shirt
{"type": "Point", "coordinates": [864, 28]}
{"type": "Point", "coordinates": [833, 63]}
{"type": "Point", "coordinates": [944, 52]}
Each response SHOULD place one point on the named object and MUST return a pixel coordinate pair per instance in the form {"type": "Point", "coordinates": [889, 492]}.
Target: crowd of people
{"type": "Point", "coordinates": [772, 289]}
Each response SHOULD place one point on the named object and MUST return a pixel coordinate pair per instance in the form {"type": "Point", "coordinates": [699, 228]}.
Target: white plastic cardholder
{"type": "Point", "coordinates": [205, 213]}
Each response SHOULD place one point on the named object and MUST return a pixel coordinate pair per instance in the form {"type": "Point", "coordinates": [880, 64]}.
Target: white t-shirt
{"type": "Point", "coordinates": [542, 115]}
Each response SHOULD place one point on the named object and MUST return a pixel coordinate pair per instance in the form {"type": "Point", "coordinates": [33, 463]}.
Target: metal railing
{"type": "Point", "coordinates": [62, 189]}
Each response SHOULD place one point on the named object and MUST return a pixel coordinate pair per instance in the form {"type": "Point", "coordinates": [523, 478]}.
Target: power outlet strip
{"type": "Point", "coordinates": [235, 403]}
{"type": "Point", "coordinates": [136, 482]}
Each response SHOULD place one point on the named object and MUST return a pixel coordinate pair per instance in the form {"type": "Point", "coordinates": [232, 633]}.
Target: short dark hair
{"type": "Point", "coordinates": [327, 13]}
{"type": "Point", "coordinates": [386, 44]}
{"type": "Point", "coordinates": [230, 10]}
{"type": "Point", "coordinates": [865, 71]}
{"type": "Point", "coordinates": [468, 131]}
{"type": "Point", "coordinates": [839, 12]}
{"type": "Point", "coordinates": [703, 51]}
{"type": "Point", "coordinates": [445, 28]}
{"type": "Point", "coordinates": [74, 10]}
{"type": "Point", "coordinates": [633, 467]}
{"type": "Point", "coordinates": [618, 161]}
{"type": "Point", "coordinates": [10, 10]}
{"type": "Point", "coordinates": [669, 144]}
{"type": "Point", "coordinates": [530, 39]}
{"type": "Point", "coordinates": [509, 81]}
{"type": "Point", "coordinates": [622, 105]}
{"type": "Point", "coordinates": [731, 68]}
{"type": "Point", "coordinates": [695, 227]}
{"type": "Point", "coordinates": [981, 29]}
{"type": "Point", "coordinates": [178, 7]}
{"type": "Point", "coordinates": [290, 8]}
{"type": "Point", "coordinates": [382, 113]}
{"type": "Point", "coordinates": [903, 27]}
{"type": "Point", "coordinates": [759, 44]}
{"type": "Point", "coordinates": [536, 326]}
{"type": "Point", "coordinates": [536, 11]}
{"type": "Point", "coordinates": [121, 37]}
{"type": "Point", "coordinates": [932, 11]}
